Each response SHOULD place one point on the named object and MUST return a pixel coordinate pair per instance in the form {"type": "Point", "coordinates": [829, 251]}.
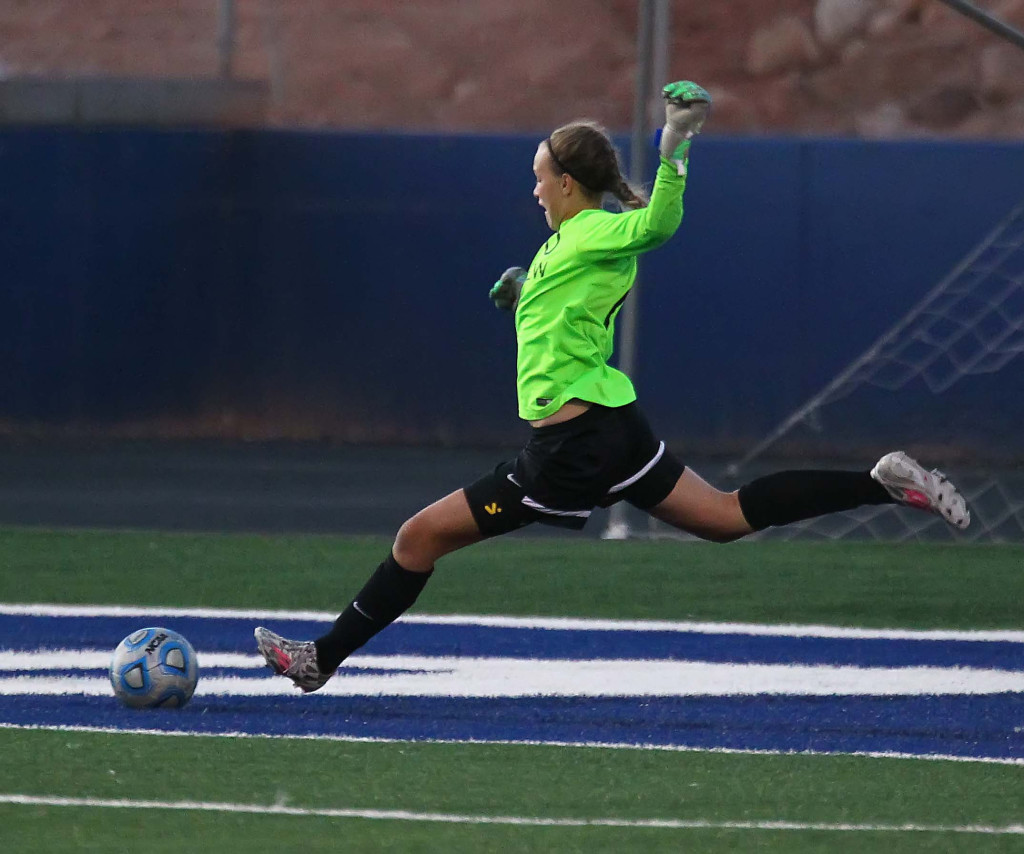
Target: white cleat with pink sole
{"type": "Point", "coordinates": [911, 484]}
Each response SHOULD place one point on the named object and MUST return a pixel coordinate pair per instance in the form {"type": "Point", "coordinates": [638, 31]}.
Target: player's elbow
{"type": "Point", "coordinates": [661, 231]}
{"type": "Point", "coordinates": [657, 237]}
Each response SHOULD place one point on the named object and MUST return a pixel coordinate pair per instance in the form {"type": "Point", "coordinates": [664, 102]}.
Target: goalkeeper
{"type": "Point", "coordinates": [590, 444]}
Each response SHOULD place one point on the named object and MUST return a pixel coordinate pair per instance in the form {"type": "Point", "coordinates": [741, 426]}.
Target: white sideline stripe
{"type": "Point", "coordinates": [91, 659]}
{"type": "Point", "coordinates": [587, 745]}
{"type": "Point", "coordinates": [421, 676]}
{"type": "Point", "coordinates": [571, 623]}
{"type": "Point", "coordinates": [528, 821]}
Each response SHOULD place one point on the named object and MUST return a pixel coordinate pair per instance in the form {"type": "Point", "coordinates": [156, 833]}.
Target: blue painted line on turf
{"type": "Point", "coordinates": [948, 726]}
{"type": "Point", "coordinates": [986, 725]}
{"type": "Point", "coordinates": [235, 635]}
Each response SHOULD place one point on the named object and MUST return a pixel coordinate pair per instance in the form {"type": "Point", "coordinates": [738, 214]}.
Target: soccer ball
{"type": "Point", "coordinates": [154, 668]}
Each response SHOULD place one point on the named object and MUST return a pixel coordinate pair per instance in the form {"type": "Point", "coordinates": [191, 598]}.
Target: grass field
{"type": "Point", "coordinates": [489, 797]}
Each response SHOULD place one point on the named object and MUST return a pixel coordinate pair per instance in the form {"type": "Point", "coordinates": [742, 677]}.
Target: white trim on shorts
{"type": "Point", "coordinates": [540, 508]}
{"type": "Point", "coordinates": [631, 480]}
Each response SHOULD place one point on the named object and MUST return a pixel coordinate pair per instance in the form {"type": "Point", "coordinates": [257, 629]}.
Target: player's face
{"type": "Point", "coordinates": [549, 191]}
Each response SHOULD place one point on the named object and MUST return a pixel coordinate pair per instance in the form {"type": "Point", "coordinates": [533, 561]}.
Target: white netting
{"type": "Point", "coordinates": [969, 325]}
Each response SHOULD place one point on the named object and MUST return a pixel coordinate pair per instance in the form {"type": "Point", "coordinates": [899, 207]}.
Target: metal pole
{"type": "Point", "coordinates": [652, 43]}
{"type": "Point", "coordinates": [273, 27]}
{"type": "Point", "coordinates": [659, 60]}
{"type": "Point", "coordinates": [225, 36]}
{"type": "Point", "coordinates": [652, 68]}
{"type": "Point", "coordinates": [988, 21]}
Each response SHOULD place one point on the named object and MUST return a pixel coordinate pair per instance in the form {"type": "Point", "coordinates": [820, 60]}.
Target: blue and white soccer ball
{"type": "Point", "coordinates": [154, 668]}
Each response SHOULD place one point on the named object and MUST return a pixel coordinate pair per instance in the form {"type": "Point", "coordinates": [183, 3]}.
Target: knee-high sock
{"type": "Point", "coordinates": [388, 594]}
{"type": "Point", "coordinates": [790, 496]}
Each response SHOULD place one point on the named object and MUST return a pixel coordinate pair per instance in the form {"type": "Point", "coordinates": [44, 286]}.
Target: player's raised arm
{"type": "Point", "coordinates": [687, 106]}
{"type": "Point", "coordinates": [686, 109]}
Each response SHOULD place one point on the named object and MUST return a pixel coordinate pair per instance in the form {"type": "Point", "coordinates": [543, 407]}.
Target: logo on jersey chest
{"type": "Point", "coordinates": [539, 267]}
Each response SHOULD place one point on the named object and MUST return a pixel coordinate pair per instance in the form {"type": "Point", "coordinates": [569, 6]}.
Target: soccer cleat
{"type": "Point", "coordinates": [909, 483]}
{"type": "Point", "coordinates": [294, 659]}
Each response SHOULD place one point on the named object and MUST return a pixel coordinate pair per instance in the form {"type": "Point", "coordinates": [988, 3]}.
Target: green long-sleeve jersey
{"type": "Point", "coordinates": [577, 282]}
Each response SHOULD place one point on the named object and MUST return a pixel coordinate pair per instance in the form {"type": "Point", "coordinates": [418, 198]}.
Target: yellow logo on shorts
{"type": "Point", "coordinates": [492, 508]}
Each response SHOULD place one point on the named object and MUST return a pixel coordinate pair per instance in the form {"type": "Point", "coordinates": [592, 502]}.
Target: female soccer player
{"type": "Point", "coordinates": [591, 445]}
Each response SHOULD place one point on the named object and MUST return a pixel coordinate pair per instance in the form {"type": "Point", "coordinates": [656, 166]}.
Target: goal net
{"type": "Point", "coordinates": [941, 384]}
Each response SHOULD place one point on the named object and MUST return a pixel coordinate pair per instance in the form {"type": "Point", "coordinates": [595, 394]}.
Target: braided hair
{"type": "Point", "coordinates": [584, 151]}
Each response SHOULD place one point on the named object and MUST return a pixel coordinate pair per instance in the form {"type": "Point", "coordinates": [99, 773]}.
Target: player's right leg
{"type": "Point", "coordinates": [791, 496]}
{"type": "Point", "coordinates": [908, 482]}
{"type": "Point", "coordinates": [698, 508]}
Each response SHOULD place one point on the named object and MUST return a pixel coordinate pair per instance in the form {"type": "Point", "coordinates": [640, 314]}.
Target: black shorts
{"type": "Point", "coordinates": [596, 459]}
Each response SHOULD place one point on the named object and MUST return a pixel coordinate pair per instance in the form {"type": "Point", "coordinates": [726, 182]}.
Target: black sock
{"type": "Point", "coordinates": [790, 496]}
{"type": "Point", "coordinates": [388, 594]}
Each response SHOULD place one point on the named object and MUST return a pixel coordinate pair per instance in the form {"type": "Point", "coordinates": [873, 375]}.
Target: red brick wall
{"type": "Point", "coordinates": [908, 67]}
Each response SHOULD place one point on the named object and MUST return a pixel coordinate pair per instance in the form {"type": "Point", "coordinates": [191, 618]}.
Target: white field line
{"type": "Point", "coordinates": [47, 610]}
{"type": "Point", "coordinates": [92, 659]}
{"type": "Point", "coordinates": [422, 676]}
{"type": "Point", "coordinates": [586, 745]}
{"type": "Point", "coordinates": [528, 821]}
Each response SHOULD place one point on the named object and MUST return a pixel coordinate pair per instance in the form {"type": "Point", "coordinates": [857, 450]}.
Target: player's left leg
{"type": "Point", "coordinates": [487, 508]}
{"type": "Point", "coordinates": [443, 527]}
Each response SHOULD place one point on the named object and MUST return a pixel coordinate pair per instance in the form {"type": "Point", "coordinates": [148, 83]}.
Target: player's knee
{"type": "Point", "coordinates": [729, 522]}
{"type": "Point", "coordinates": [420, 541]}
{"type": "Point", "coordinates": [719, 520]}
{"type": "Point", "coordinates": [415, 535]}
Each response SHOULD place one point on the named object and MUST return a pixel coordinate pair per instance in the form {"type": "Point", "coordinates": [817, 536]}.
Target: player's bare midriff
{"type": "Point", "coordinates": [568, 410]}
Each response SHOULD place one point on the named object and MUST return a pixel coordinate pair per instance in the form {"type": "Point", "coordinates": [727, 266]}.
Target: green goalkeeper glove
{"type": "Point", "coordinates": [505, 293]}
{"type": "Point", "coordinates": [686, 108]}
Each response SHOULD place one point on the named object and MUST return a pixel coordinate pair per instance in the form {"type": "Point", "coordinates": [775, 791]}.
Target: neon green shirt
{"type": "Point", "coordinates": [577, 282]}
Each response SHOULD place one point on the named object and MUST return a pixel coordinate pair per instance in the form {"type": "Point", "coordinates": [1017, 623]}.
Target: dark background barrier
{"type": "Point", "coordinates": [303, 284]}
